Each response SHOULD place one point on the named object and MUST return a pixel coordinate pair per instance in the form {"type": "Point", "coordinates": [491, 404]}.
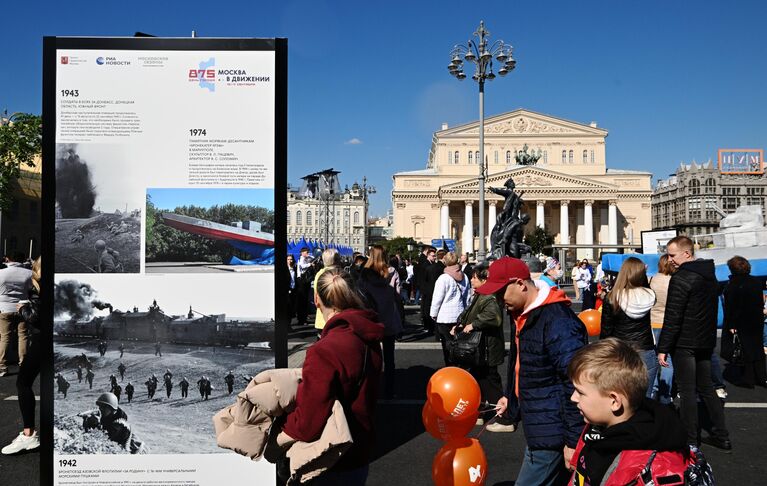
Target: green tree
{"type": "Point", "coordinates": [21, 138]}
{"type": "Point", "coordinates": [538, 240]}
{"type": "Point", "coordinates": [397, 245]}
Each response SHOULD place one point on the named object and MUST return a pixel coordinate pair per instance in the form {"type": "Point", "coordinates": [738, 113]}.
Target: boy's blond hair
{"type": "Point", "coordinates": [613, 366]}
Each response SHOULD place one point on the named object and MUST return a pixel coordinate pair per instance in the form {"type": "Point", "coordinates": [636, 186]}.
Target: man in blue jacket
{"type": "Point", "coordinates": [547, 334]}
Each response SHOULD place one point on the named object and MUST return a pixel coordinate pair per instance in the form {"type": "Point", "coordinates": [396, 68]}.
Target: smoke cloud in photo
{"type": "Point", "coordinates": [75, 193]}
{"type": "Point", "coordinates": [75, 299]}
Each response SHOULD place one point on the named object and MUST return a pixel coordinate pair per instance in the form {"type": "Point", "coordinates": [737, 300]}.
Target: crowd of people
{"type": "Point", "coordinates": [581, 406]}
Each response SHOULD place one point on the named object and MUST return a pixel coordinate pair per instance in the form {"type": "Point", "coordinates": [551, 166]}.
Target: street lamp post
{"type": "Point", "coordinates": [477, 52]}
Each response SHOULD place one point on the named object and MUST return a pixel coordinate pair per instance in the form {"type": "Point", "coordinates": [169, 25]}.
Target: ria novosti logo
{"type": "Point", "coordinates": [99, 61]}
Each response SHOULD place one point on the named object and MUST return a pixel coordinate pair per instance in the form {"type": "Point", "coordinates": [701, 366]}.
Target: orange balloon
{"type": "Point", "coordinates": [453, 393]}
{"type": "Point", "coordinates": [592, 319]}
{"type": "Point", "coordinates": [442, 429]}
{"type": "Point", "coordinates": [461, 462]}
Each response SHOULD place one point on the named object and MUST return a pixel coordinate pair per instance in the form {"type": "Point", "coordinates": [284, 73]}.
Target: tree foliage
{"type": "Point", "coordinates": [20, 142]}
{"type": "Point", "coordinates": [397, 245]}
{"type": "Point", "coordinates": [166, 244]}
{"type": "Point", "coordinates": [538, 240]}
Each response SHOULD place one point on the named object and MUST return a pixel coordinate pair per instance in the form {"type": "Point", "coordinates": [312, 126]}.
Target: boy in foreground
{"type": "Point", "coordinates": [610, 384]}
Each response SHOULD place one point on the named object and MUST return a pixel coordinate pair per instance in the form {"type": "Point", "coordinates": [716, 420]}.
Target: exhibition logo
{"type": "Point", "coordinates": [99, 61]}
{"type": "Point", "coordinates": [111, 61]}
{"type": "Point", "coordinates": [205, 74]}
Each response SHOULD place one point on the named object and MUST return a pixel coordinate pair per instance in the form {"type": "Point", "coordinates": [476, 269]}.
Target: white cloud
{"type": "Point", "coordinates": [353, 141]}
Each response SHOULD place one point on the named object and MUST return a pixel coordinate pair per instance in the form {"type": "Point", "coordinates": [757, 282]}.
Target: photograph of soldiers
{"type": "Point", "coordinates": [121, 369]}
{"type": "Point", "coordinates": [184, 384]}
{"type": "Point", "coordinates": [114, 421]}
{"type": "Point", "coordinates": [89, 378]}
{"type": "Point", "coordinates": [229, 380]}
{"type": "Point", "coordinates": [129, 391]}
{"type": "Point", "coordinates": [62, 383]}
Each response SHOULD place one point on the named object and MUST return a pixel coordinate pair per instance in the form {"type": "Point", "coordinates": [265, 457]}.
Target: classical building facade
{"type": "Point", "coordinates": [570, 192]}
{"type": "Point", "coordinates": [694, 198]}
{"type": "Point", "coordinates": [338, 219]}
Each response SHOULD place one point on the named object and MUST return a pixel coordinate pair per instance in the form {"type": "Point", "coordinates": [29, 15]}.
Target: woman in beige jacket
{"type": "Point", "coordinates": [659, 284]}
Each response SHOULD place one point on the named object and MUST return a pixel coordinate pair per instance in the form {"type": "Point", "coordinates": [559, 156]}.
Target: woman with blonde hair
{"type": "Point", "coordinates": [450, 298]}
{"type": "Point", "coordinates": [626, 314]}
{"type": "Point", "coordinates": [384, 300]}
{"type": "Point", "coordinates": [343, 365]}
{"type": "Point", "coordinates": [330, 259]}
{"type": "Point", "coordinates": [659, 284]}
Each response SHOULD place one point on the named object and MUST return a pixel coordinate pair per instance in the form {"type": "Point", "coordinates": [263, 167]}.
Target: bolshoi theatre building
{"type": "Point", "coordinates": [569, 192]}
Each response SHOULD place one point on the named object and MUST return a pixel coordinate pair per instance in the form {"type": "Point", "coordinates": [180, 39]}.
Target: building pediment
{"type": "Point", "coordinates": [531, 178]}
{"type": "Point", "coordinates": [525, 123]}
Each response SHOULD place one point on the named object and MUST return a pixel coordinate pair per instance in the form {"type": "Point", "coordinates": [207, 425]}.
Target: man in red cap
{"type": "Point", "coordinates": [546, 335]}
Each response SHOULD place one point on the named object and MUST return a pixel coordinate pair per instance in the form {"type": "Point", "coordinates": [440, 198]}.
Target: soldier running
{"type": "Point", "coordinates": [89, 378]}
{"type": "Point", "coordinates": [167, 375]}
{"type": "Point", "coordinates": [229, 380]}
{"type": "Point", "coordinates": [79, 372]}
{"type": "Point", "coordinates": [62, 383]}
{"type": "Point", "coordinates": [151, 386]}
{"type": "Point", "coordinates": [129, 391]}
{"type": "Point", "coordinates": [168, 384]}
{"type": "Point", "coordinates": [121, 348]}
{"type": "Point", "coordinates": [121, 369]}
{"type": "Point", "coordinates": [117, 390]}
{"type": "Point", "coordinates": [184, 384]}
{"type": "Point", "coordinates": [112, 380]}
{"type": "Point", "coordinates": [158, 349]}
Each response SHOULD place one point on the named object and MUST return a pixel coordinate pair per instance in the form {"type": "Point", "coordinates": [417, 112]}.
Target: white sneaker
{"type": "Point", "coordinates": [498, 427]}
{"type": "Point", "coordinates": [480, 421]}
{"type": "Point", "coordinates": [721, 393]}
{"type": "Point", "coordinates": [22, 443]}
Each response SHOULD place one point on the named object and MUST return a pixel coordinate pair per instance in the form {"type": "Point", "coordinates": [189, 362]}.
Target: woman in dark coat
{"type": "Point", "coordinates": [743, 304]}
{"type": "Point", "coordinates": [484, 314]}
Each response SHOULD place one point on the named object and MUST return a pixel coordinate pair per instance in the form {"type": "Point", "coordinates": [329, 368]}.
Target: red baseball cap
{"type": "Point", "coordinates": [503, 271]}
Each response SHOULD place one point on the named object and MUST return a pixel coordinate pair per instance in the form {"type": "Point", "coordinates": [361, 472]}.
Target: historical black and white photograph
{"type": "Point", "coordinates": [98, 210]}
{"type": "Point", "coordinates": [209, 230]}
{"type": "Point", "coordinates": [142, 364]}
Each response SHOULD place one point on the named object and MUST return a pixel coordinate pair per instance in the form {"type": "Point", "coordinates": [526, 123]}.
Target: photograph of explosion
{"type": "Point", "coordinates": [145, 373]}
{"type": "Point", "coordinates": [98, 211]}
{"type": "Point", "coordinates": [209, 230]}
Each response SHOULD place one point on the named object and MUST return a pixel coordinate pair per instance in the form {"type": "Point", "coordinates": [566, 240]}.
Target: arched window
{"type": "Point", "coordinates": [308, 218]}
{"type": "Point", "coordinates": [710, 186]}
{"type": "Point", "coordinates": [585, 157]}
{"type": "Point", "coordinates": [356, 217]}
{"type": "Point", "coordinates": [471, 157]}
{"type": "Point", "coordinates": [508, 157]}
{"type": "Point", "coordinates": [694, 186]}
{"type": "Point", "coordinates": [570, 158]}
{"type": "Point", "coordinates": [298, 218]}
{"type": "Point", "coordinates": [564, 156]}
{"type": "Point", "coordinates": [476, 157]}
{"type": "Point", "coordinates": [457, 158]}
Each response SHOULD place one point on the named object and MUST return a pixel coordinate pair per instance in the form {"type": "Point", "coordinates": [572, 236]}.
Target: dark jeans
{"type": "Point", "coordinates": [388, 358]}
{"type": "Point", "coordinates": [28, 371]}
{"type": "Point", "coordinates": [443, 332]}
{"type": "Point", "coordinates": [302, 301]}
{"type": "Point", "coordinates": [428, 322]}
{"type": "Point", "coordinates": [692, 373]}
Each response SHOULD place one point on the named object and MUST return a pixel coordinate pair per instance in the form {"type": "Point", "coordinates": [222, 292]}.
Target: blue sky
{"type": "Point", "coordinates": [205, 198]}
{"type": "Point", "coordinates": [671, 81]}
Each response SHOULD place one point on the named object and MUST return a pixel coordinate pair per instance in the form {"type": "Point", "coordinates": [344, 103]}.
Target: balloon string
{"type": "Point", "coordinates": [484, 426]}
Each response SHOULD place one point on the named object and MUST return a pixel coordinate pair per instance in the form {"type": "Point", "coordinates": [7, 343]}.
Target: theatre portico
{"type": "Point", "coordinates": [569, 192]}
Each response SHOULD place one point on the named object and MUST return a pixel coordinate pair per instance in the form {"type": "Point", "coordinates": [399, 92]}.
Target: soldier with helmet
{"type": "Point", "coordinates": [151, 386]}
{"type": "Point", "coordinates": [121, 369]}
{"type": "Point", "coordinates": [89, 378]}
{"type": "Point", "coordinates": [108, 258]}
{"type": "Point", "coordinates": [229, 380]}
{"type": "Point", "coordinates": [184, 384]}
{"type": "Point", "coordinates": [62, 383]}
{"type": "Point", "coordinates": [114, 421]}
{"type": "Point", "coordinates": [129, 389]}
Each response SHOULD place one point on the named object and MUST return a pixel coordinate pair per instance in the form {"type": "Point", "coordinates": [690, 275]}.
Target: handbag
{"type": "Point", "coordinates": [737, 350]}
{"type": "Point", "coordinates": [467, 349]}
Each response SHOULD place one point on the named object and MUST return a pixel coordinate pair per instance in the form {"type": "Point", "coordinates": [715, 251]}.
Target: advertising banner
{"type": "Point", "coordinates": [654, 242]}
{"type": "Point", "coordinates": [168, 190]}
